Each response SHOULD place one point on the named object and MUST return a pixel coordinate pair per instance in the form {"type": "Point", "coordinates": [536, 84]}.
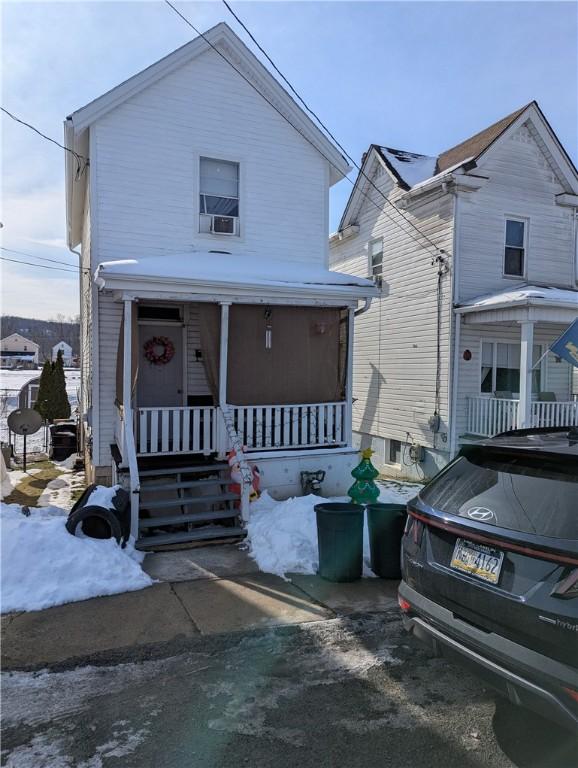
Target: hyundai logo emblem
{"type": "Point", "coordinates": [482, 514]}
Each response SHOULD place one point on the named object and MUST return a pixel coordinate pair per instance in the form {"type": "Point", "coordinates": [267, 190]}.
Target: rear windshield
{"type": "Point", "coordinates": [520, 493]}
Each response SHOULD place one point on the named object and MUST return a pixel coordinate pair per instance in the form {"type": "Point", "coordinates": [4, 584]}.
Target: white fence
{"type": "Point", "coordinates": [488, 416]}
{"type": "Point", "coordinates": [260, 428]}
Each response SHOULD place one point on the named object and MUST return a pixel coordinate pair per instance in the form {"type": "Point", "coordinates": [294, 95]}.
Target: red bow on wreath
{"type": "Point", "coordinates": [153, 356]}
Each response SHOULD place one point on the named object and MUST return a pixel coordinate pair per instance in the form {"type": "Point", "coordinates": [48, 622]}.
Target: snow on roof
{"type": "Point", "coordinates": [224, 267]}
{"type": "Point", "coordinates": [408, 166]}
{"type": "Point", "coordinates": [523, 295]}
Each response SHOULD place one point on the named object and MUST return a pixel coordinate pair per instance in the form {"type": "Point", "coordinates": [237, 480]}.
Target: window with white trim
{"type": "Point", "coordinates": [376, 257]}
{"type": "Point", "coordinates": [218, 196]}
{"type": "Point", "coordinates": [515, 248]}
{"type": "Point", "coordinates": [500, 368]}
{"type": "Point", "coordinates": [395, 452]}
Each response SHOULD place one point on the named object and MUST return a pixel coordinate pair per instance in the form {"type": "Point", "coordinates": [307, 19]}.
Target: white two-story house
{"type": "Point", "coordinates": [475, 255]}
{"type": "Point", "coordinates": [210, 320]}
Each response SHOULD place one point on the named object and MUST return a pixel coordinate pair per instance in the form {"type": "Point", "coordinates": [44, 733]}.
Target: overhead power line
{"type": "Point", "coordinates": [81, 161]}
{"type": "Point", "coordinates": [43, 258]}
{"type": "Point", "coordinates": [325, 128]}
{"type": "Point", "coordinates": [39, 266]}
{"type": "Point", "coordinates": [438, 253]}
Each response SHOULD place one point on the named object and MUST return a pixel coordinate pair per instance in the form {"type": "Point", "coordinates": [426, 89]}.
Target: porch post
{"type": "Point", "coordinates": [127, 357]}
{"type": "Point", "coordinates": [349, 382]}
{"type": "Point", "coordinates": [526, 347]}
{"type": "Point", "coordinates": [223, 359]}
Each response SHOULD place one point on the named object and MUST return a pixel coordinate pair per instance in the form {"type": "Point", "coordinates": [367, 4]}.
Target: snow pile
{"type": "Point", "coordinates": [102, 496]}
{"type": "Point", "coordinates": [524, 295]}
{"type": "Point", "coordinates": [282, 535]}
{"type": "Point", "coordinates": [224, 267]}
{"type": "Point", "coordinates": [44, 565]}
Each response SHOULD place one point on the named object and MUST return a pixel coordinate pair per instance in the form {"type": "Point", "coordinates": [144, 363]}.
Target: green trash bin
{"type": "Point", "coordinates": [385, 524]}
{"type": "Point", "coordinates": [340, 541]}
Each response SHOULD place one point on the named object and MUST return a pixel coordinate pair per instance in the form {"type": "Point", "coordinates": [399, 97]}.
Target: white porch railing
{"type": "Point", "coordinates": [259, 427]}
{"type": "Point", "coordinates": [488, 416]}
{"type": "Point", "coordinates": [176, 430]}
{"type": "Point", "coordinates": [276, 427]}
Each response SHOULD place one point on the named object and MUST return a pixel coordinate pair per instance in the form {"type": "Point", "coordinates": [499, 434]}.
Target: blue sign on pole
{"type": "Point", "coordinates": [566, 346]}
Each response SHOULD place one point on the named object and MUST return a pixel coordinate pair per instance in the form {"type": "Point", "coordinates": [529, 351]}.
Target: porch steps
{"type": "Point", "coordinates": [187, 501]}
{"type": "Point", "coordinates": [178, 485]}
{"type": "Point", "coordinates": [200, 534]}
{"type": "Point", "coordinates": [184, 470]}
{"type": "Point", "coordinates": [171, 514]}
{"type": "Point", "coordinates": [193, 517]}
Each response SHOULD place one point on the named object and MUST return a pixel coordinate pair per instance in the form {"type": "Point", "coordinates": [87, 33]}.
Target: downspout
{"type": "Point", "coordinates": [362, 310]}
{"type": "Point", "coordinates": [457, 320]}
{"type": "Point", "coordinates": [81, 313]}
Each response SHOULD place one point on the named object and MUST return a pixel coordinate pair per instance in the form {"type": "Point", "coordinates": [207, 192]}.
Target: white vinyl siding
{"type": "Point", "coordinates": [521, 185]}
{"type": "Point", "coordinates": [395, 341]}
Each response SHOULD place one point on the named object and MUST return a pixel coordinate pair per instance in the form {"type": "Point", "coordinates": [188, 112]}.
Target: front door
{"type": "Point", "coordinates": [160, 379]}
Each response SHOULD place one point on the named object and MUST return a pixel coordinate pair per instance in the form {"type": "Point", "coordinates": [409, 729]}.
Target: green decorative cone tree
{"type": "Point", "coordinates": [364, 490]}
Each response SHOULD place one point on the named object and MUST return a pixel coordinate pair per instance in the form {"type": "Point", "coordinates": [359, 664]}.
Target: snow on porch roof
{"type": "Point", "coordinates": [225, 268]}
{"type": "Point", "coordinates": [524, 295]}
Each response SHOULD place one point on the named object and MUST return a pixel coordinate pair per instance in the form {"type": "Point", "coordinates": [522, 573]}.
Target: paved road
{"type": "Point", "coordinates": [342, 692]}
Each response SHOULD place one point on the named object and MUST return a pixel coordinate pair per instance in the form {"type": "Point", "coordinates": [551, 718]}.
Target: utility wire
{"type": "Point", "coordinates": [438, 255]}
{"type": "Point", "coordinates": [42, 258]}
{"type": "Point", "coordinates": [81, 161]}
{"type": "Point", "coordinates": [326, 129]}
{"type": "Point", "coordinates": [41, 266]}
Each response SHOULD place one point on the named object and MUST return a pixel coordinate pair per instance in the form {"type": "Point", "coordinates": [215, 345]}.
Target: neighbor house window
{"type": "Point", "coordinates": [394, 452]}
{"type": "Point", "coordinates": [219, 196]}
{"type": "Point", "coordinates": [515, 248]}
{"type": "Point", "coordinates": [501, 369]}
{"type": "Point", "coordinates": [376, 258]}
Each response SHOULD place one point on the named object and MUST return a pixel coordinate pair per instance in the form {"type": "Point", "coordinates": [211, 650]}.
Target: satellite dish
{"type": "Point", "coordinates": [25, 421]}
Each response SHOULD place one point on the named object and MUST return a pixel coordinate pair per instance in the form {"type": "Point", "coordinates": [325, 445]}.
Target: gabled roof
{"type": "Point", "coordinates": [232, 47]}
{"type": "Point", "coordinates": [475, 145]}
{"type": "Point", "coordinates": [410, 170]}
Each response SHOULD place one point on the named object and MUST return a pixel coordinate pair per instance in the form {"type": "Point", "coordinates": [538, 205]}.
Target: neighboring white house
{"type": "Point", "coordinates": [15, 350]}
{"type": "Point", "coordinates": [209, 319]}
{"type": "Point", "coordinates": [471, 301]}
{"type": "Point", "coordinates": [66, 352]}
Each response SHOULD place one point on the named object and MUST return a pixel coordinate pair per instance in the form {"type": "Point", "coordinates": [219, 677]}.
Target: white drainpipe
{"type": "Point", "coordinates": [456, 335]}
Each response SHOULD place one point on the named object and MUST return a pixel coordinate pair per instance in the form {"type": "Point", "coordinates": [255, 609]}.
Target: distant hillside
{"type": "Point", "coordinates": [46, 333]}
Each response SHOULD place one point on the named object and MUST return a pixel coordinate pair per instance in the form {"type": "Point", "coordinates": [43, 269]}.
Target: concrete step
{"type": "Point", "coordinates": [190, 517]}
{"type": "Point", "coordinates": [185, 470]}
{"type": "Point", "coordinates": [187, 501]}
{"type": "Point", "coordinates": [183, 484]}
{"type": "Point", "coordinates": [200, 534]}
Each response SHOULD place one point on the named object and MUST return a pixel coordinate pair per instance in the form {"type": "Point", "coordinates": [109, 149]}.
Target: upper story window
{"type": "Point", "coordinates": [219, 197]}
{"type": "Point", "coordinates": [515, 248]}
{"type": "Point", "coordinates": [376, 257]}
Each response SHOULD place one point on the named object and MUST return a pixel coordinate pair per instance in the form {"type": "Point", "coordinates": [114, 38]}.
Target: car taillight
{"type": "Point", "coordinates": [572, 693]}
{"type": "Point", "coordinates": [568, 587]}
{"type": "Point", "coordinates": [403, 604]}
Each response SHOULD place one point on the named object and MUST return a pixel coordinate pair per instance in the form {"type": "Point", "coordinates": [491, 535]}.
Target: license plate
{"type": "Point", "coordinates": [477, 560]}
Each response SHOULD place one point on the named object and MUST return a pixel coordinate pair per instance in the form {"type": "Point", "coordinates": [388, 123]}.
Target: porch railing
{"type": "Point", "coordinates": [176, 430]}
{"type": "Point", "coordinates": [275, 427]}
{"type": "Point", "coordinates": [259, 427]}
{"type": "Point", "coordinates": [488, 416]}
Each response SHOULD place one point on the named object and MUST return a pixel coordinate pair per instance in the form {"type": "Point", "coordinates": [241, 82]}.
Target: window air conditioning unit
{"type": "Point", "coordinates": [224, 225]}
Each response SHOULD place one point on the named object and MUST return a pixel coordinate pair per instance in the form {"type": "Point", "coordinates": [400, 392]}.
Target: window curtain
{"type": "Point", "coordinates": [134, 356]}
{"type": "Point", "coordinates": [286, 355]}
{"type": "Point", "coordinates": [210, 332]}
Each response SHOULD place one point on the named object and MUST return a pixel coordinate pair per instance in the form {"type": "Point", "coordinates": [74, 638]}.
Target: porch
{"type": "Point", "coordinates": [507, 377]}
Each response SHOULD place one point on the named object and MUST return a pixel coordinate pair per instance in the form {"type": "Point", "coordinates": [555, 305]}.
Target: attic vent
{"type": "Point", "coordinates": [148, 312]}
{"type": "Point", "coordinates": [226, 253]}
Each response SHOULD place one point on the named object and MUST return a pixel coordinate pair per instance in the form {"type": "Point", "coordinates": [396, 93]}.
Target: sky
{"type": "Point", "coordinates": [420, 76]}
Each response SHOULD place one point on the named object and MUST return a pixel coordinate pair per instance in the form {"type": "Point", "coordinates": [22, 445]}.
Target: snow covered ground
{"type": "Point", "coordinates": [11, 382]}
{"type": "Point", "coordinates": [282, 535]}
{"type": "Point", "coordinates": [43, 565]}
